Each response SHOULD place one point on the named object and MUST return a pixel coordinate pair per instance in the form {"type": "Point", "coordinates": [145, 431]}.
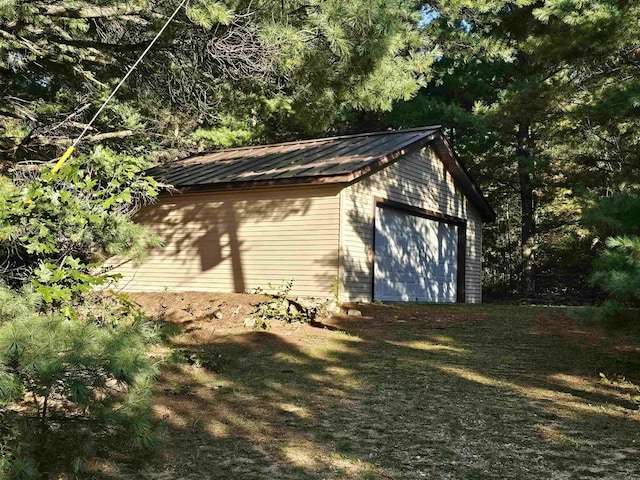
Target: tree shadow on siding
{"type": "Point", "coordinates": [192, 225]}
{"type": "Point", "coordinates": [416, 262]}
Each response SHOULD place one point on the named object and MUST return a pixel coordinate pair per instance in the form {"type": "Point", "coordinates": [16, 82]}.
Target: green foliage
{"type": "Point", "coordinates": [277, 306]}
{"type": "Point", "coordinates": [615, 215]}
{"type": "Point", "coordinates": [541, 100]}
{"type": "Point", "coordinates": [54, 226]}
{"type": "Point", "coordinates": [74, 366]}
{"type": "Point", "coordinates": [232, 71]}
{"type": "Point", "coordinates": [55, 357]}
{"type": "Point", "coordinates": [21, 469]}
{"type": "Point", "coordinates": [227, 134]}
{"type": "Point", "coordinates": [617, 270]}
{"type": "Point", "coordinates": [207, 13]}
{"type": "Point", "coordinates": [73, 369]}
{"type": "Point", "coordinates": [202, 357]}
{"type": "Point", "coordinates": [335, 290]}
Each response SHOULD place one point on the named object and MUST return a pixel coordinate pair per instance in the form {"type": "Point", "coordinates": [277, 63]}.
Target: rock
{"type": "Point", "coordinates": [305, 303]}
{"type": "Point", "coordinates": [333, 308]}
{"type": "Point", "coordinates": [331, 305]}
{"type": "Point", "coordinates": [249, 322]}
{"type": "Point", "coordinates": [293, 310]}
{"type": "Point", "coordinates": [218, 314]}
{"type": "Point", "coordinates": [352, 312]}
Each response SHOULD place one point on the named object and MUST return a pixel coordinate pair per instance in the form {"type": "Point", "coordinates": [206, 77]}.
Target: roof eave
{"type": "Point", "coordinates": [464, 178]}
{"type": "Point", "coordinates": [257, 184]}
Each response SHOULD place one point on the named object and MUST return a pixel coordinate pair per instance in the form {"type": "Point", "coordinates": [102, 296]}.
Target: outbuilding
{"type": "Point", "coordinates": [390, 216]}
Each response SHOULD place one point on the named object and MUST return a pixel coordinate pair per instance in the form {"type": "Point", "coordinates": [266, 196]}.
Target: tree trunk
{"type": "Point", "coordinates": [528, 222]}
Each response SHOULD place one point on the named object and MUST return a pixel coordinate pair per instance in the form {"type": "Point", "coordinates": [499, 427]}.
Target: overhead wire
{"type": "Point", "coordinates": [70, 150]}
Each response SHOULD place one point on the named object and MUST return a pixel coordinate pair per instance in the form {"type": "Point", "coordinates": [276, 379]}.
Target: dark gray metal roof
{"type": "Point", "coordinates": [319, 161]}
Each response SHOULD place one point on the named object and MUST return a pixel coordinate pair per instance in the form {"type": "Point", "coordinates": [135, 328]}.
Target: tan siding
{"type": "Point", "coordinates": [473, 271]}
{"type": "Point", "coordinates": [238, 241]}
{"type": "Point", "coordinates": [419, 179]}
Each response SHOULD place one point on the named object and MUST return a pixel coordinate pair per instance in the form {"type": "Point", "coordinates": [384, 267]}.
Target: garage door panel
{"type": "Point", "coordinates": [415, 258]}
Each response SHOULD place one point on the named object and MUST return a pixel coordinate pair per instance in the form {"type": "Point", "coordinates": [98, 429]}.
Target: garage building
{"type": "Point", "coordinates": [391, 216]}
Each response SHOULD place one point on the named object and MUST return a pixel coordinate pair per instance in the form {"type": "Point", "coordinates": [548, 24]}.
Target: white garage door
{"type": "Point", "coordinates": [415, 258]}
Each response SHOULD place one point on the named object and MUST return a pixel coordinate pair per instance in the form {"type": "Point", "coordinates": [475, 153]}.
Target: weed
{"type": "Point", "coordinates": [167, 330]}
{"type": "Point", "coordinates": [178, 388]}
{"type": "Point", "coordinates": [262, 322]}
{"type": "Point", "coordinates": [335, 289]}
{"type": "Point", "coordinates": [619, 382]}
{"type": "Point", "coordinates": [370, 475]}
{"type": "Point", "coordinates": [202, 357]}
{"type": "Point", "coordinates": [347, 334]}
{"type": "Point", "coordinates": [190, 308]}
{"type": "Point", "coordinates": [225, 390]}
{"type": "Point", "coordinates": [447, 453]}
{"type": "Point", "coordinates": [278, 307]}
{"type": "Point", "coordinates": [345, 449]}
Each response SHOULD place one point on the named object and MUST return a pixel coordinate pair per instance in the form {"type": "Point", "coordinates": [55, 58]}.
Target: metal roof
{"type": "Point", "coordinates": [319, 161]}
{"type": "Point", "coordinates": [323, 157]}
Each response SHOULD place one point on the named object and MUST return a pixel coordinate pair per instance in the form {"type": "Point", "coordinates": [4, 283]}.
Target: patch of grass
{"type": "Point", "coordinates": [346, 334]}
{"type": "Point", "coordinates": [406, 392]}
{"type": "Point", "coordinates": [447, 453]}
{"type": "Point", "coordinates": [345, 449]}
{"type": "Point", "coordinates": [179, 388]}
{"type": "Point", "coordinates": [370, 475]}
{"type": "Point", "coordinates": [168, 330]}
{"type": "Point", "coordinates": [200, 357]}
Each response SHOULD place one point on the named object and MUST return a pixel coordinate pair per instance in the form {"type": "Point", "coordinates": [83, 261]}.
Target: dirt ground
{"type": "Point", "coordinates": [401, 392]}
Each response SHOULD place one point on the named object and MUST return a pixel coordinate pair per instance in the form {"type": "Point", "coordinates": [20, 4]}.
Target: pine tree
{"type": "Point", "coordinates": [617, 270]}
{"type": "Point", "coordinates": [540, 96]}
{"type": "Point", "coordinates": [75, 359]}
{"type": "Point", "coordinates": [224, 73]}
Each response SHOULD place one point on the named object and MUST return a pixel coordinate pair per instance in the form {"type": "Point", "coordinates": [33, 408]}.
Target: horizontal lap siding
{"type": "Point", "coordinates": [419, 179]}
{"type": "Point", "coordinates": [473, 271]}
{"type": "Point", "coordinates": [226, 242]}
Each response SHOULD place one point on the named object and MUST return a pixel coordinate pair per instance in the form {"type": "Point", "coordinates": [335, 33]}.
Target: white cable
{"type": "Point", "coordinates": [124, 79]}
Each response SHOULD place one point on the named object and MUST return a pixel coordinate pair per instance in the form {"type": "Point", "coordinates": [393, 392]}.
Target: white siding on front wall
{"type": "Point", "coordinates": [418, 179]}
{"type": "Point", "coordinates": [238, 241]}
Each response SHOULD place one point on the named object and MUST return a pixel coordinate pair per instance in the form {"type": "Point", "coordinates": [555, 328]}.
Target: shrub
{"type": "Point", "coordinates": [82, 381]}
{"type": "Point", "coordinates": [617, 270]}
{"type": "Point", "coordinates": [278, 307]}
{"type": "Point", "coordinates": [74, 364]}
{"type": "Point", "coordinates": [54, 227]}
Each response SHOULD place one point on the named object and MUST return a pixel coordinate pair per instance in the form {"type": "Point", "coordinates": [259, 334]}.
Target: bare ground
{"type": "Point", "coordinates": [402, 392]}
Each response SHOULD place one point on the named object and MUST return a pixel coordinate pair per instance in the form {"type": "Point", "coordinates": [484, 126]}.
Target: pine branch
{"type": "Point", "coordinates": [89, 11]}
{"type": "Point", "coordinates": [110, 47]}
{"type": "Point", "coordinates": [66, 141]}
